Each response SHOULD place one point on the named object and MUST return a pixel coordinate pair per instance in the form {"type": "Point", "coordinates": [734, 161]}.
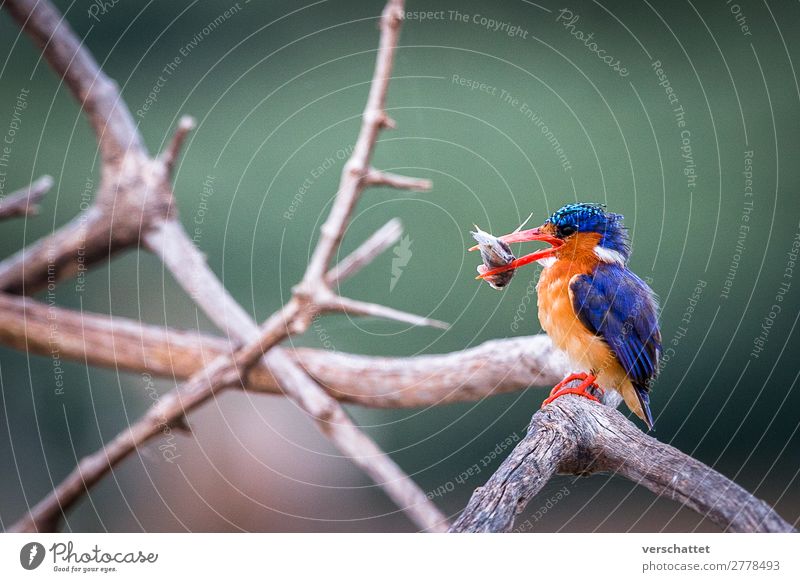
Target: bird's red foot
{"type": "Point", "coordinates": [585, 388]}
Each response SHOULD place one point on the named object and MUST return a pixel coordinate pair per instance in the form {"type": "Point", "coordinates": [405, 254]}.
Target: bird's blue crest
{"type": "Point", "coordinates": [592, 217]}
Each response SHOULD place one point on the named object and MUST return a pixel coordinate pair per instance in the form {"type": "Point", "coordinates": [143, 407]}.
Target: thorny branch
{"type": "Point", "coordinates": [134, 206]}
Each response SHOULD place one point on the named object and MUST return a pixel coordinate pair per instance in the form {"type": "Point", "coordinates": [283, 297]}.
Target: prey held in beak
{"type": "Point", "coordinates": [499, 263]}
{"type": "Point", "coordinates": [495, 254]}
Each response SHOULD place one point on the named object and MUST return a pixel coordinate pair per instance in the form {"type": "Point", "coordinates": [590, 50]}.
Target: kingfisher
{"type": "Point", "coordinates": [592, 305]}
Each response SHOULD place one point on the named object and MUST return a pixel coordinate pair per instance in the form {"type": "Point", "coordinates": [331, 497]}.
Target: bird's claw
{"type": "Point", "coordinates": [585, 388]}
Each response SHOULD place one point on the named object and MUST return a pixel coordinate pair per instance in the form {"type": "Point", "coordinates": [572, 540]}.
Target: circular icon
{"type": "Point", "coordinates": [31, 555]}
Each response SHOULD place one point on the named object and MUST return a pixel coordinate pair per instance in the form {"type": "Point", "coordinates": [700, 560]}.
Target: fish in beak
{"type": "Point", "coordinates": [494, 254]}
{"type": "Point", "coordinates": [542, 233]}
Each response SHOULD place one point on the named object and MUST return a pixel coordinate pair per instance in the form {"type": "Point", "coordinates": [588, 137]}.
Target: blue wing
{"type": "Point", "coordinates": [618, 306]}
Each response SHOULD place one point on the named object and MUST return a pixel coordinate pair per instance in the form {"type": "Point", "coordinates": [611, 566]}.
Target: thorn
{"type": "Point", "coordinates": [187, 123]}
{"type": "Point", "coordinates": [375, 177]}
{"type": "Point", "coordinates": [170, 155]}
{"type": "Point", "coordinates": [25, 202]}
{"type": "Point", "coordinates": [387, 122]}
{"type": "Point", "coordinates": [181, 424]}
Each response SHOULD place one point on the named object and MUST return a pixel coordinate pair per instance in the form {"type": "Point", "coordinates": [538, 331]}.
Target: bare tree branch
{"type": "Point", "coordinates": [333, 422]}
{"type": "Point", "coordinates": [188, 266]}
{"type": "Point", "coordinates": [378, 178]}
{"type": "Point", "coordinates": [222, 372]}
{"type": "Point", "coordinates": [164, 235]}
{"type": "Point", "coordinates": [226, 371]}
{"type": "Point", "coordinates": [98, 95]}
{"type": "Point", "coordinates": [134, 190]}
{"type": "Point", "coordinates": [25, 202]}
{"type": "Point", "coordinates": [357, 167]}
{"type": "Point", "coordinates": [46, 514]}
{"type": "Point", "coordinates": [380, 240]}
{"type": "Point", "coordinates": [495, 367]}
{"type": "Point", "coordinates": [578, 437]}
{"type": "Point", "coordinates": [27, 270]}
{"type": "Point", "coordinates": [171, 243]}
{"type": "Point", "coordinates": [354, 307]}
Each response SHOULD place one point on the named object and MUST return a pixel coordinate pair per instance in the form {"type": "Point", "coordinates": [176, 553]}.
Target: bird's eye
{"type": "Point", "coordinates": [567, 229]}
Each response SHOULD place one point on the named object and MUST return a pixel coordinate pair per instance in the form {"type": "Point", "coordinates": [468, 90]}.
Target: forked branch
{"type": "Point", "coordinates": [135, 199]}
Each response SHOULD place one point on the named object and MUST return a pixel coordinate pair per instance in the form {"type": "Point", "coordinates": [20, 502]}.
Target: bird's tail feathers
{"type": "Point", "coordinates": [642, 394]}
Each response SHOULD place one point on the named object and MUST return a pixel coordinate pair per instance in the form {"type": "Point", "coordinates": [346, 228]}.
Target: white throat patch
{"type": "Point", "coordinates": [609, 256]}
{"type": "Point", "coordinates": [547, 261]}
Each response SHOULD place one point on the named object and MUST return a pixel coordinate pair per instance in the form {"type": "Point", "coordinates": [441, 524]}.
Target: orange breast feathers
{"type": "Point", "coordinates": [556, 311]}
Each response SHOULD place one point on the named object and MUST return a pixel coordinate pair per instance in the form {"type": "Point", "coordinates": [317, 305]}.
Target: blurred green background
{"type": "Point", "coordinates": [277, 91]}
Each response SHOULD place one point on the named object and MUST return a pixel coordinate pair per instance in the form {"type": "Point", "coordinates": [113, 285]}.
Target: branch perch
{"type": "Point", "coordinates": [575, 436]}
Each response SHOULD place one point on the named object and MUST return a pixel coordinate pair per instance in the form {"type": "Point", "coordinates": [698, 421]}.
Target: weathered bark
{"type": "Point", "coordinates": [134, 206]}
{"type": "Point", "coordinates": [578, 437]}
{"type": "Point", "coordinates": [494, 367]}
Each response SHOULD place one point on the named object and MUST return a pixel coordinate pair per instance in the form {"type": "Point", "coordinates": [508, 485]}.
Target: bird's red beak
{"type": "Point", "coordinates": [532, 234]}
